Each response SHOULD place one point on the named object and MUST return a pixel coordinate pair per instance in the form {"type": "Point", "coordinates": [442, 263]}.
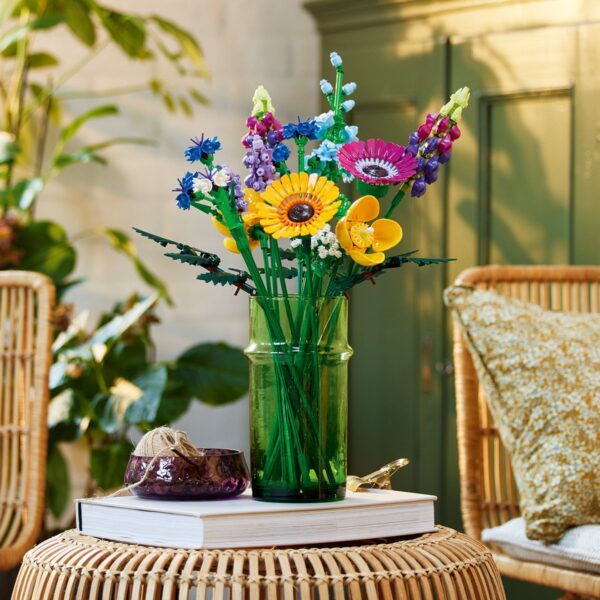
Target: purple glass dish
{"type": "Point", "coordinates": [219, 473]}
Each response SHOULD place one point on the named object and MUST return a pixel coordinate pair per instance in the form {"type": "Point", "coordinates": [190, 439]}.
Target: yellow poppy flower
{"type": "Point", "coordinates": [298, 204]}
{"type": "Point", "coordinates": [356, 235]}
{"type": "Point", "coordinates": [250, 219]}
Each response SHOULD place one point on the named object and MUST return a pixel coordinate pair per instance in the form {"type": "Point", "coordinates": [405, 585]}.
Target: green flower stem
{"type": "Point", "coordinates": [396, 201]}
{"type": "Point", "coordinates": [279, 268]}
{"type": "Point", "coordinates": [301, 144]}
{"type": "Point", "coordinates": [339, 80]}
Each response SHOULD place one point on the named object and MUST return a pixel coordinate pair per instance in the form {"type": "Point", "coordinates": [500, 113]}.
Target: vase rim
{"type": "Point", "coordinates": [297, 297]}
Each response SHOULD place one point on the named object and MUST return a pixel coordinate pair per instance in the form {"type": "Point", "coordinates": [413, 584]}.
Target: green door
{"type": "Point", "coordinates": [522, 187]}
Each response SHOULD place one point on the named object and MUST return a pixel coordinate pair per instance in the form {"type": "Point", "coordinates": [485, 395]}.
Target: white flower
{"type": "Point", "coordinates": [202, 185]}
{"type": "Point", "coordinates": [323, 252]}
{"type": "Point", "coordinates": [295, 243]}
{"type": "Point", "coordinates": [221, 178]}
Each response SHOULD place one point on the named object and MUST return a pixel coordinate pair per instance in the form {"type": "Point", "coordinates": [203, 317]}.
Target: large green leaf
{"type": "Point", "coordinates": [58, 485]}
{"type": "Point", "coordinates": [80, 22]}
{"type": "Point", "coordinates": [47, 250]}
{"type": "Point", "coordinates": [188, 44]}
{"type": "Point", "coordinates": [175, 400]}
{"type": "Point", "coordinates": [215, 373]}
{"type": "Point", "coordinates": [121, 242]}
{"type": "Point", "coordinates": [152, 383]}
{"type": "Point", "coordinates": [127, 31]}
{"type": "Point", "coordinates": [108, 463]}
{"type": "Point", "coordinates": [106, 110]}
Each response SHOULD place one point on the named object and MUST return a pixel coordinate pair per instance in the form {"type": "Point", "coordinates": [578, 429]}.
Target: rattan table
{"type": "Point", "coordinates": [441, 565]}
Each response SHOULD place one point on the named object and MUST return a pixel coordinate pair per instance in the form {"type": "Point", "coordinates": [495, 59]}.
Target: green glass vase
{"type": "Point", "coordinates": [298, 355]}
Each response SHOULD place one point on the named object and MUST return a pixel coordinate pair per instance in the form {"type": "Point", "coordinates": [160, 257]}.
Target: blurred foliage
{"type": "Point", "coordinates": [106, 380]}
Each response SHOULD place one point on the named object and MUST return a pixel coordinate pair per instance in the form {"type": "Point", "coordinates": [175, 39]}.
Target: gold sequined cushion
{"type": "Point", "coordinates": [541, 374]}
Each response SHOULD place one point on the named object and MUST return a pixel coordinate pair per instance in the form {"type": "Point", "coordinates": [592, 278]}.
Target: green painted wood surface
{"type": "Point", "coordinates": [522, 187]}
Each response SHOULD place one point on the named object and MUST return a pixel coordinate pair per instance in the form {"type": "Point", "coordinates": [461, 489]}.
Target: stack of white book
{"type": "Point", "coordinates": [244, 522]}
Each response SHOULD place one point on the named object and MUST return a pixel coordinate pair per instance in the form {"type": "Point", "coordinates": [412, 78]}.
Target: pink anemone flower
{"type": "Point", "coordinates": [377, 162]}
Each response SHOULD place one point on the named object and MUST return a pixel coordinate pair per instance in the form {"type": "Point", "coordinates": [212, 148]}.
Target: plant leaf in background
{"type": "Point", "coordinates": [47, 250]}
{"type": "Point", "coordinates": [80, 22]}
{"type": "Point", "coordinates": [108, 463]}
{"type": "Point", "coordinates": [57, 481]}
{"type": "Point", "coordinates": [152, 384]}
{"type": "Point", "coordinates": [215, 373]}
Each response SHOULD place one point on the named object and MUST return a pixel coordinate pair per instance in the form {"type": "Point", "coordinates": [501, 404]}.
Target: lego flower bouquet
{"type": "Point", "coordinates": [305, 243]}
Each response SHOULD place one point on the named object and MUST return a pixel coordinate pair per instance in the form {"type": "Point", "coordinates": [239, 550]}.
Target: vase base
{"type": "Point", "coordinates": [323, 494]}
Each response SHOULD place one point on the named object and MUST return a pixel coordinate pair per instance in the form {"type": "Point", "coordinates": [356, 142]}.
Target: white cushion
{"type": "Point", "coordinates": [579, 548]}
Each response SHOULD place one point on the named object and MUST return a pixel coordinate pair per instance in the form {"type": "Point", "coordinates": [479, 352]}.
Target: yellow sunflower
{"type": "Point", "coordinates": [298, 204]}
{"type": "Point", "coordinates": [356, 235]}
{"type": "Point", "coordinates": [250, 219]}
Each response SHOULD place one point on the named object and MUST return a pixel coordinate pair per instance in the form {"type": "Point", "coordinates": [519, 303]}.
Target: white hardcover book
{"type": "Point", "coordinates": [243, 522]}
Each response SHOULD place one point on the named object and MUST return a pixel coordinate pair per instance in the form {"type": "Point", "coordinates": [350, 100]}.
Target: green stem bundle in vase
{"type": "Point", "coordinates": [305, 245]}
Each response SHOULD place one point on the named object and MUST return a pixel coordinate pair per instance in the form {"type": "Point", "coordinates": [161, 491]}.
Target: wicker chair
{"type": "Point", "coordinates": [26, 301]}
{"type": "Point", "coordinates": [489, 496]}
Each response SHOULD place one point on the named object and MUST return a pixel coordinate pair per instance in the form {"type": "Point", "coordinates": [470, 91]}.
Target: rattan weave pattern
{"type": "Point", "coordinates": [26, 302]}
{"type": "Point", "coordinates": [441, 565]}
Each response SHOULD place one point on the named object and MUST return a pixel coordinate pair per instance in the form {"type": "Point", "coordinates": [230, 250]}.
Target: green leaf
{"type": "Point", "coordinates": [223, 278]}
{"type": "Point", "coordinates": [8, 152]}
{"type": "Point", "coordinates": [105, 407]}
{"type": "Point", "coordinates": [121, 323]}
{"type": "Point", "coordinates": [188, 44]}
{"type": "Point", "coordinates": [88, 153]}
{"type": "Point", "coordinates": [80, 22]}
{"type": "Point", "coordinates": [185, 107]}
{"type": "Point", "coordinates": [47, 250]}
{"type": "Point", "coordinates": [215, 373]}
{"type": "Point", "coordinates": [127, 31]}
{"type": "Point", "coordinates": [26, 191]}
{"type": "Point", "coordinates": [20, 31]}
{"type": "Point", "coordinates": [108, 464]}
{"type": "Point", "coordinates": [198, 96]}
{"type": "Point", "coordinates": [58, 484]}
{"type": "Point", "coordinates": [39, 60]}
{"type": "Point", "coordinates": [152, 383]}
{"type": "Point", "coordinates": [175, 400]}
{"type": "Point", "coordinates": [6, 9]}
{"type": "Point", "coordinates": [106, 110]}
{"type": "Point", "coordinates": [121, 242]}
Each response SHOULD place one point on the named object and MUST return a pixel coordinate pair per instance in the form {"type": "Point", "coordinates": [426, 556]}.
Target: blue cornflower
{"type": "Point", "coordinates": [350, 134]}
{"type": "Point", "coordinates": [202, 148]}
{"type": "Point", "coordinates": [347, 177]}
{"type": "Point", "coordinates": [349, 88]}
{"type": "Point", "coordinates": [289, 131]}
{"type": "Point", "coordinates": [326, 87]}
{"type": "Point", "coordinates": [307, 128]}
{"type": "Point", "coordinates": [327, 151]}
{"type": "Point", "coordinates": [185, 190]}
{"type": "Point", "coordinates": [336, 59]}
{"type": "Point", "coordinates": [280, 153]}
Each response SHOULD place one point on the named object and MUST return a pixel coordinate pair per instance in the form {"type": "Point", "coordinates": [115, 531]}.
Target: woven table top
{"type": "Point", "coordinates": [440, 565]}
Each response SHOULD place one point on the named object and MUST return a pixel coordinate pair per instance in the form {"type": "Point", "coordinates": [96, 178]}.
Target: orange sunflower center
{"type": "Point", "coordinates": [300, 208]}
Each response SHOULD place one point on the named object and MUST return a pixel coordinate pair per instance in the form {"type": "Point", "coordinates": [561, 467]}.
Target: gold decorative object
{"type": "Point", "coordinates": [380, 479]}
